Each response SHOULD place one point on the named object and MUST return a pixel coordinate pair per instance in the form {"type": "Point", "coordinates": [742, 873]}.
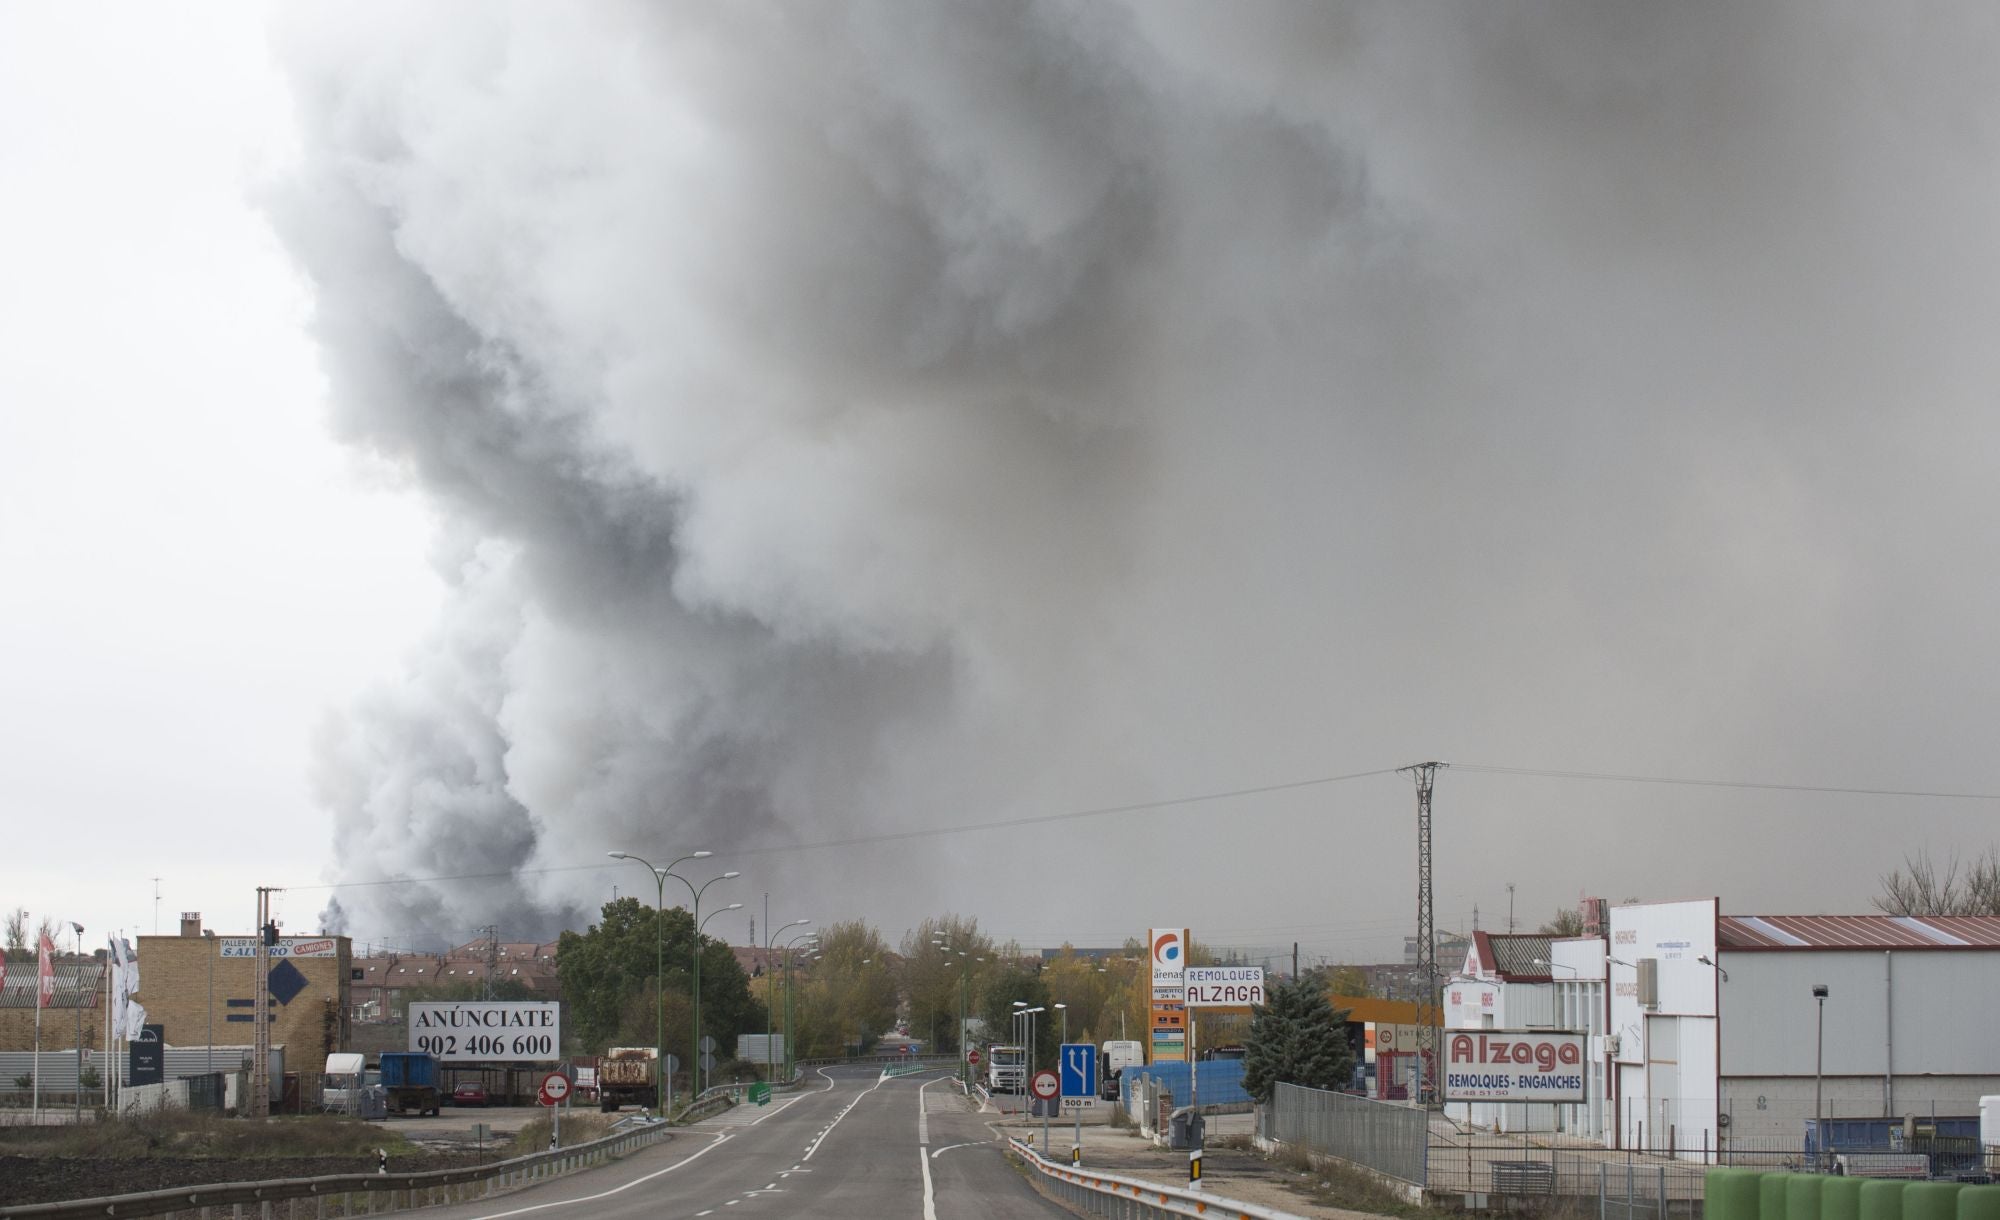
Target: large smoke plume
{"type": "Point", "coordinates": [852, 418]}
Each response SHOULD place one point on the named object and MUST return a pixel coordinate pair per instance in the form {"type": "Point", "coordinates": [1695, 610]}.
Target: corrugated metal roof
{"type": "Point", "coordinates": [1859, 932]}
{"type": "Point", "coordinates": [77, 984]}
{"type": "Point", "coordinates": [1512, 955]}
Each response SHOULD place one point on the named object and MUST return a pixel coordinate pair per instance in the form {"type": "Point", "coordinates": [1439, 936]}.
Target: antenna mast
{"type": "Point", "coordinates": [1425, 774]}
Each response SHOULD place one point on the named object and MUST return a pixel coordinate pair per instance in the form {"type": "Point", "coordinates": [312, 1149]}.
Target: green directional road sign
{"type": "Point", "coordinates": [760, 1094]}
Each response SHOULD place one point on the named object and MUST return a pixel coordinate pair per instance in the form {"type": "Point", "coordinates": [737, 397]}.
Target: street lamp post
{"type": "Point", "coordinates": [1064, 1010]}
{"type": "Point", "coordinates": [1819, 1063]}
{"type": "Point", "coordinates": [964, 987]}
{"type": "Point", "coordinates": [771, 995]}
{"type": "Point", "coordinates": [808, 940]}
{"type": "Point", "coordinates": [699, 950]}
{"type": "Point", "coordinates": [664, 1095]}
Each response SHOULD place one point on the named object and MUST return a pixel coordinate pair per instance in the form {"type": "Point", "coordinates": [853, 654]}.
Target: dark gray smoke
{"type": "Point", "coordinates": [851, 418]}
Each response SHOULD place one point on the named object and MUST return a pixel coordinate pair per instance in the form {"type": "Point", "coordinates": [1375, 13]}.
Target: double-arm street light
{"type": "Point", "coordinates": [699, 949]}
{"type": "Point", "coordinates": [808, 941]}
{"type": "Point", "coordinates": [964, 987]}
{"type": "Point", "coordinates": [660, 875]}
{"type": "Point", "coordinates": [771, 994]}
{"type": "Point", "coordinates": [1027, 1017]}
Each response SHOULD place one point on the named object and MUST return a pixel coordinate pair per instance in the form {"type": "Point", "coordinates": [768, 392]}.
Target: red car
{"type": "Point", "coordinates": [468, 1095]}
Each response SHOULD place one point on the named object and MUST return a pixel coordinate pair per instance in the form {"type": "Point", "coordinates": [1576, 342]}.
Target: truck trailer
{"type": "Point", "coordinates": [410, 1078]}
{"type": "Point", "coordinates": [628, 1075]}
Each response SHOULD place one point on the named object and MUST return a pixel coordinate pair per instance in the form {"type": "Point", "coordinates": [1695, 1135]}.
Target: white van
{"type": "Point", "coordinates": [1113, 1058]}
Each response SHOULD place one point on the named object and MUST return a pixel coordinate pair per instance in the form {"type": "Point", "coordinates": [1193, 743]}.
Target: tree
{"type": "Point", "coordinates": [850, 1000]}
{"type": "Point", "coordinates": [17, 935]}
{"type": "Point", "coordinates": [1926, 890]}
{"type": "Point", "coordinates": [1297, 1038]}
{"type": "Point", "coordinates": [608, 970]}
{"type": "Point", "coordinates": [1568, 921]}
{"type": "Point", "coordinates": [935, 979]}
{"type": "Point", "coordinates": [1019, 981]}
{"type": "Point", "coordinates": [1349, 981]}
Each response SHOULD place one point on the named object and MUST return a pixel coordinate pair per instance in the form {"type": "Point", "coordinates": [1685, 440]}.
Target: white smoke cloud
{"type": "Point", "coordinates": [870, 416]}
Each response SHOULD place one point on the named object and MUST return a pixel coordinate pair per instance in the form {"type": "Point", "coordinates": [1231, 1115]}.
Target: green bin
{"type": "Point", "coordinates": [1840, 1198]}
{"type": "Point", "coordinates": [1803, 1196]}
{"type": "Point", "coordinates": [760, 1094]}
{"type": "Point", "coordinates": [1979, 1203]}
{"type": "Point", "coordinates": [1772, 1191]}
{"type": "Point", "coordinates": [1882, 1200]}
{"type": "Point", "coordinates": [1732, 1194]}
{"type": "Point", "coordinates": [1931, 1200]}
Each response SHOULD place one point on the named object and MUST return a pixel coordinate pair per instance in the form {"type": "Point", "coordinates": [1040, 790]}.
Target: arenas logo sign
{"type": "Point", "coordinates": [1509, 1065]}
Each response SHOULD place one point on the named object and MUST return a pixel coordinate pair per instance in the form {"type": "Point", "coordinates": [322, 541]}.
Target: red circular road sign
{"type": "Point", "coordinates": [1045, 1085]}
{"type": "Point", "coordinates": [555, 1087]}
{"type": "Point", "coordinates": [972, 1056]}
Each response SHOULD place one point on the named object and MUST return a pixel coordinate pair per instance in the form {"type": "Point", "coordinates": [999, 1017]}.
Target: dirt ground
{"type": "Point", "coordinates": [36, 1179]}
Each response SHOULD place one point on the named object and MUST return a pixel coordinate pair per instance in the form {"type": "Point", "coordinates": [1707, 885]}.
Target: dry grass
{"type": "Point", "coordinates": [1337, 1184]}
{"type": "Point", "coordinates": [578, 1127]}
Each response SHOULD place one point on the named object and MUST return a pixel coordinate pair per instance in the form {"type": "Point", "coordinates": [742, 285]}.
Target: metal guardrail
{"type": "Point", "coordinates": [1108, 1194]}
{"type": "Point", "coordinates": [431, 1186]}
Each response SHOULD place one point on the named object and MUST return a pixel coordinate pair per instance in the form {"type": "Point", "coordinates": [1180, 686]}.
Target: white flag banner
{"type": "Point", "coordinates": [135, 1022]}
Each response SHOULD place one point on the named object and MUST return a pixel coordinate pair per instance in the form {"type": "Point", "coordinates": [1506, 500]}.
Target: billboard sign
{"type": "Point", "coordinates": [288, 946]}
{"type": "Point", "coordinates": [1224, 986]}
{"type": "Point", "coordinates": [1513, 1065]}
{"type": "Point", "coordinates": [484, 1031]}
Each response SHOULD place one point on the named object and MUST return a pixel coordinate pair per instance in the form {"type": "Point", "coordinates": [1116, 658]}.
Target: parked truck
{"type": "Point", "coordinates": [1006, 1069]}
{"type": "Point", "coordinates": [628, 1075]}
{"type": "Point", "coordinates": [1114, 1057]}
{"type": "Point", "coordinates": [410, 1078]}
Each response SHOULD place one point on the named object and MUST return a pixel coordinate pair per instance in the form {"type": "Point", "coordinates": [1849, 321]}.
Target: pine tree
{"type": "Point", "coordinates": [1297, 1038]}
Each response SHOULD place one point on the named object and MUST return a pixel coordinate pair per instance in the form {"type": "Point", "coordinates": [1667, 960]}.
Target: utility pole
{"type": "Point", "coordinates": [1425, 774]}
{"type": "Point", "coordinates": [260, 1065]}
{"type": "Point", "coordinates": [1510, 908]}
{"type": "Point", "coordinates": [492, 931]}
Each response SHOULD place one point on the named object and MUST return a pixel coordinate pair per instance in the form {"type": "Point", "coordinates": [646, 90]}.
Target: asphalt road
{"type": "Point", "coordinates": [851, 1147]}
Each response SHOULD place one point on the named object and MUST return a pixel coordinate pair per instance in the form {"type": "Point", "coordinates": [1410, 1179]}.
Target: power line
{"type": "Point", "coordinates": [1752, 785]}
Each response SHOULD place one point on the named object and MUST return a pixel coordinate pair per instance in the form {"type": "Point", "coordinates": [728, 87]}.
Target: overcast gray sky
{"type": "Point", "coordinates": [465, 440]}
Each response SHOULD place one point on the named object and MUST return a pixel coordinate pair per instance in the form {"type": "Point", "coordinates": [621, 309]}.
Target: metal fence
{"type": "Point", "coordinates": [1390, 1139]}
{"type": "Point", "coordinates": [353, 1194]}
{"type": "Point", "coordinates": [1096, 1193]}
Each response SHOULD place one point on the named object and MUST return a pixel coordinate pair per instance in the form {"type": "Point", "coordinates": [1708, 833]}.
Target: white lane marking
{"type": "Point", "coordinates": [930, 1199]}
{"type": "Point", "coordinates": [923, 1117]}
{"type": "Point", "coordinates": [844, 1110]}
{"type": "Point", "coordinates": [720, 1140]}
{"type": "Point", "coordinates": [709, 1212]}
{"type": "Point", "coordinates": [948, 1147]}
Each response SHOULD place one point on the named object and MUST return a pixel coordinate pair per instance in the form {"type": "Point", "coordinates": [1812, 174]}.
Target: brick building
{"type": "Point", "coordinates": [202, 987]}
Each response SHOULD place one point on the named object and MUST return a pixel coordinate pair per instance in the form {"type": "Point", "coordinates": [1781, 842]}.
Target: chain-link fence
{"type": "Point", "coordinates": [1390, 1139]}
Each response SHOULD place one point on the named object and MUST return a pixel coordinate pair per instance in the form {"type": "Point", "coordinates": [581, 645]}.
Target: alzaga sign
{"type": "Point", "coordinates": [483, 1031]}
{"type": "Point", "coordinates": [1224, 986]}
{"type": "Point", "coordinates": [1513, 1065]}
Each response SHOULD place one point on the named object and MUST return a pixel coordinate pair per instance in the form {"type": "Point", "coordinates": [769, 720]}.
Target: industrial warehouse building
{"type": "Point", "coordinates": [1720, 1042]}
{"type": "Point", "coordinates": [1706, 1038]}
